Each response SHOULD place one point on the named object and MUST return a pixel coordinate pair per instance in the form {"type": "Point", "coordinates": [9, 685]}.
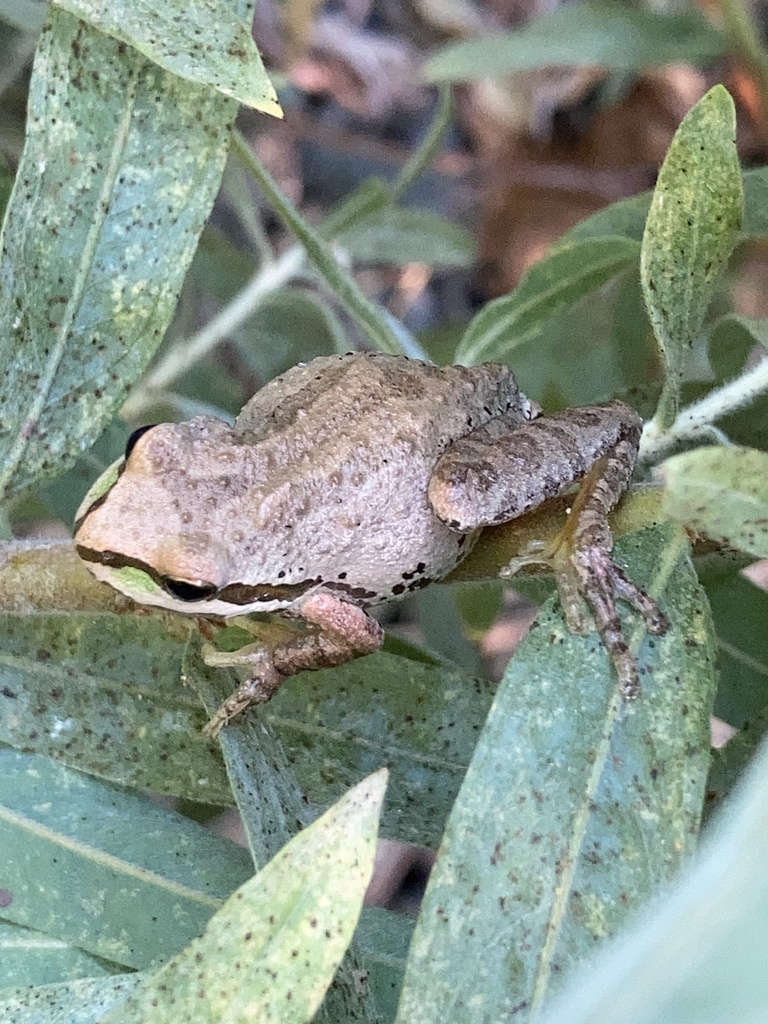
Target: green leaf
{"type": "Point", "coordinates": [270, 953]}
{"type": "Point", "coordinates": [78, 1002]}
{"type": "Point", "coordinates": [628, 216]}
{"type": "Point", "coordinates": [740, 611]}
{"type": "Point", "coordinates": [608, 35]}
{"type": "Point", "coordinates": [755, 224]}
{"type": "Point", "coordinates": [748, 426]}
{"type": "Point", "coordinates": [24, 15]}
{"type": "Point", "coordinates": [374, 321]}
{"type": "Point", "coordinates": [479, 606]}
{"type": "Point", "coordinates": [699, 956]}
{"type": "Point", "coordinates": [546, 850]}
{"type": "Point", "coordinates": [63, 496]}
{"type": "Point", "coordinates": [443, 629]}
{"type": "Point", "coordinates": [422, 722]}
{"type": "Point", "coordinates": [384, 938]}
{"type": "Point", "coordinates": [371, 195]}
{"type": "Point", "coordinates": [398, 235]}
{"type": "Point", "coordinates": [691, 230]}
{"type": "Point", "coordinates": [29, 957]}
{"type": "Point", "coordinates": [104, 693]}
{"type": "Point", "coordinates": [556, 282]}
{"type": "Point", "coordinates": [626, 219]}
{"type": "Point", "coordinates": [722, 493]}
{"type": "Point", "coordinates": [559, 370]}
{"type": "Point", "coordinates": [272, 809]}
{"type": "Point", "coordinates": [6, 184]}
{"type": "Point", "coordinates": [120, 168]}
{"type": "Point", "coordinates": [200, 40]}
{"type": "Point", "coordinates": [731, 340]}
{"type": "Point", "coordinates": [272, 806]}
{"type": "Point", "coordinates": [730, 763]}
{"type": "Point", "coordinates": [103, 869]}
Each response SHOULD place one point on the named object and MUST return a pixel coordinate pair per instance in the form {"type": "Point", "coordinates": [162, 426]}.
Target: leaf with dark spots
{"type": "Point", "coordinates": [150, 153]}
{"type": "Point", "coordinates": [565, 786]}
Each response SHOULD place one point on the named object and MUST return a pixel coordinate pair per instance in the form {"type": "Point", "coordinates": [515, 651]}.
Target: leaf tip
{"type": "Point", "coordinates": [268, 105]}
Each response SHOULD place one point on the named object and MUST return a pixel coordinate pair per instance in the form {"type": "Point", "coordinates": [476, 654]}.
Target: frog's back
{"type": "Point", "coordinates": [344, 448]}
{"type": "Point", "coordinates": [386, 397]}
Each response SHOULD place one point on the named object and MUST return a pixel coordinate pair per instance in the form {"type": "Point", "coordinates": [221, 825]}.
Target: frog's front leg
{"type": "Point", "coordinates": [339, 632]}
{"type": "Point", "coordinates": [505, 469]}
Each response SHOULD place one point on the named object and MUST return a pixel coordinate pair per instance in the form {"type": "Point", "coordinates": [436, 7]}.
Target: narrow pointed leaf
{"type": "Point", "coordinates": [384, 937]}
{"type": "Point", "coordinates": [740, 611]}
{"type": "Point", "coordinates": [398, 235]}
{"type": "Point", "coordinates": [200, 40]}
{"type": "Point", "coordinates": [104, 693]}
{"type": "Point", "coordinates": [556, 282]}
{"type": "Point", "coordinates": [692, 227]}
{"type": "Point", "coordinates": [627, 217]}
{"type": "Point", "coordinates": [270, 953]}
{"type": "Point", "coordinates": [121, 164]}
{"type": "Point", "coordinates": [105, 869]}
{"type": "Point", "coordinates": [546, 850]}
{"type": "Point", "coordinates": [698, 955]}
{"type": "Point", "coordinates": [273, 808]}
{"type": "Point", "coordinates": [384, 332]}
{"type": "Point", "coordinates": [585, 34]}
{"type": "Point", "coordinates": [731, 762]}
{"type": "Point", "coordinates": [29, 957]}
{"type": "Point", "coordinates": [731, 339]}
{"type": "Point", "coordinates": [77, 1002]}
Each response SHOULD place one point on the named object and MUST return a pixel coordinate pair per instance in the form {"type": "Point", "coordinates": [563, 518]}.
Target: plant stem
{"type": "Point", "coordinates": [387, 334]}
{"type": "Point", "coordinates": [429, 146]}
{"type": "Point", "coordinates": [191, 350]}
{"type": "Point", "coordinates": [698, 418]}
{"type": "Point", "coordinates": [372, 319]}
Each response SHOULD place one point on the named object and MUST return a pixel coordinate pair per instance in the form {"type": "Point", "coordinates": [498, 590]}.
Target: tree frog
{"type": "Point", "coordinates": [352, 480]}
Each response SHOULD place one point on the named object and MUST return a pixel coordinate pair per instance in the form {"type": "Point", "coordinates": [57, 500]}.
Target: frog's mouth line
{"type": "Point", "coordinates": [239, 594]}
{"type": "Point", "coordinates": [201, 591]}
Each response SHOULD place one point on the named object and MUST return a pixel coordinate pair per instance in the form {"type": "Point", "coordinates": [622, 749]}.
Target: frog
{"type": "Point", "coordinates": [353, 480]}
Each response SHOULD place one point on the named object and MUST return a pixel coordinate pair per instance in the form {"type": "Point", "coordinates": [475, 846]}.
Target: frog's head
{"type": "Point", "coordinates": [158, 532]}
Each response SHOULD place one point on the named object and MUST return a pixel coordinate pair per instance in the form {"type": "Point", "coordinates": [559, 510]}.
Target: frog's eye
{"type": "Point", "coordinates": [130, 444]}
{"type": "Point", "coordinates": [185, 591]}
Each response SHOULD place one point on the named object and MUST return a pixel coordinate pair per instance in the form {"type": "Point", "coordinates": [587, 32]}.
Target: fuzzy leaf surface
{"type": "Point", "coordinates": [721, 493]}
{"type": "Point", "coordinates": [546, 850]}
{"type": "Point", "coordinates": [104, 869]}
{"type": "Point", "coordinates": [268, 956]}
{"type": "Point", "coordinates": [692, 227]}
{"type": "Point", "coordinates": [698, 955]}
{"type": "Point", "coordinates": [121, 164]}
{"type": "Point", "coordinates": [199, 40]}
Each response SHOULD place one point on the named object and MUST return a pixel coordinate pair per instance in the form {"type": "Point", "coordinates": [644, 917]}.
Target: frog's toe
{"type": "Point", "coordinates": [655, 619]}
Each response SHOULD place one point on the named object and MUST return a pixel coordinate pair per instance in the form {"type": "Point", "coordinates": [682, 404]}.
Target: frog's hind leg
{"type": "Point", "coordinates": [501, 471]}
{"type": "Point", "coordinates": [505, 468]}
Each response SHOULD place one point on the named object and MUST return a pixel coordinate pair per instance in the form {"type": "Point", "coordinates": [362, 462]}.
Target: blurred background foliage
{"type": "Point", "coordinates": [558, 111]}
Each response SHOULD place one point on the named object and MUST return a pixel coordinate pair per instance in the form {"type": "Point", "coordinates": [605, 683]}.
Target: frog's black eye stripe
{"type": "Point", "coordinates": [130, 444]}
{"type": "Point", "coordinates": [189, 592]}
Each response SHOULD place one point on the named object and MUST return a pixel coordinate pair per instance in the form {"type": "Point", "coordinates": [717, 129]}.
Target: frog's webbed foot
{"type": "Point", "coordinates": [338, 632]}
{"type": "Point", "coordinates": [585, 572]}
{"type": "Point", "coordinates": [600, 581]}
